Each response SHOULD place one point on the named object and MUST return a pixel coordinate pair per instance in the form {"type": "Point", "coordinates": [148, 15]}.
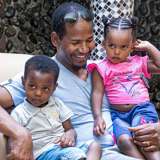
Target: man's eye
{"type": "Point", "coordinates": [90, 40]}
{"type": "Point", "coordinates": [75, 43]}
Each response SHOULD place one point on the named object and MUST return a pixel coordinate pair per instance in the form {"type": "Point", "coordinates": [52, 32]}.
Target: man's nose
{"type": "Point", "coordinates": [84, 48]}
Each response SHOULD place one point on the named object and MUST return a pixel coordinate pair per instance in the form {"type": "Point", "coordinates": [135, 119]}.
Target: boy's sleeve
{"type": "Point", "coordinates": [15, 115]}
{"type": "Point", "coordinates": [65, 112]}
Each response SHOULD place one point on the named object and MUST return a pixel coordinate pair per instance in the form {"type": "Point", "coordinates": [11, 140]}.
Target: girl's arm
{"type": "Point", "coordinates": [96, 99]}
{"type": "Point", "coordinates": [97, 93]}
{"type": "Point", "coordinates": [154, 54]}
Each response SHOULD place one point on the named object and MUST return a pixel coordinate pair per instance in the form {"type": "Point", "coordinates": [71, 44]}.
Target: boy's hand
{"type": "Point", "coordinates": [99, 126]}
{"type": "Point", "coordinates": [67, 139]}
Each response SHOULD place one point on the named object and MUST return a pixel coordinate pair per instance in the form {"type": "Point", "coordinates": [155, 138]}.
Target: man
{"type": "Point", "coordinates": [73, 38]}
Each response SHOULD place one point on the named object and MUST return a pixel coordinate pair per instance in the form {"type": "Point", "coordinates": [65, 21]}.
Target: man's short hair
{"type": "Point", "coordinates": [69, 12]}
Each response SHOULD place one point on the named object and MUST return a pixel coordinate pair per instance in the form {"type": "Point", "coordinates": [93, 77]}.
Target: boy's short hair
{"type": "Point", "coordinates": [43, 64]}
{"type": "Point", "coordinates": [69, 12]}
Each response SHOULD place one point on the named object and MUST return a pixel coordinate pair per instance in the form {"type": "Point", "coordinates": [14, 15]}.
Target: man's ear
{"type": "Point", "coordinates": [55, 39]}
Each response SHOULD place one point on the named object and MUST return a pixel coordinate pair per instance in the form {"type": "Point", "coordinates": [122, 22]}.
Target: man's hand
{"type": "Point", "coordinates": [147, 136]}
{"type": "Point", "coordinates": [67, 139]}
{"type": "Point", "coordinates": [99, 126]}
{"type": "Point", "coordinates": [21, 147]}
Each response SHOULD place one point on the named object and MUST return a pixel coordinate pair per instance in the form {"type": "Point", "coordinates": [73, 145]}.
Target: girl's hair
{"type": "Point", "coordinates": [119, 23]}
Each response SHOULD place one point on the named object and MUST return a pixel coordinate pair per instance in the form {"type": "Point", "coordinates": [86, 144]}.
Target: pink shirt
{"type": "Point", "coordinates": [123, 82]}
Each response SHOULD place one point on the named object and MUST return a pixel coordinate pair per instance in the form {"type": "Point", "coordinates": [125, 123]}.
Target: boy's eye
{"type": "Point", "coordinates": [46, 89]}
{"type": "Point", "coordinates": [32, 86]}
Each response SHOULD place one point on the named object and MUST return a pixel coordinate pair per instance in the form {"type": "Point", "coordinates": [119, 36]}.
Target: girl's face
{"type": "Point", "coordinates": [118, 44]}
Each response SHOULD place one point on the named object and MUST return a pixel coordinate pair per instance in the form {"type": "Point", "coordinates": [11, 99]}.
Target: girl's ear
{"type": "Point", "coordinates": [55, 39]}
{"type": "Point", "coordinates": [103, 44]}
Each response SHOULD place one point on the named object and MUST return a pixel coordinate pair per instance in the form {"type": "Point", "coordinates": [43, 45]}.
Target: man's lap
{"type": "Point", "coordinates": [113, 153]}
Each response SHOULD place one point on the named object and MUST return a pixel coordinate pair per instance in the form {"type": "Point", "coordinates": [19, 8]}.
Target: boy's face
{"type": "Point", "coordinates": [118, 44]}
{"type": "Point", "coordinates": [76, 45]}
{"type": "Point", "coordinates": [39, 87]}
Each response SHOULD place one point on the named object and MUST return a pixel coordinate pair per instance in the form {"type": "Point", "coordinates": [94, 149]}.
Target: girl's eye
{"type": "Point", "coordinates": [112, 46]}
{"type": "Point", "coordinates": [124, 47]}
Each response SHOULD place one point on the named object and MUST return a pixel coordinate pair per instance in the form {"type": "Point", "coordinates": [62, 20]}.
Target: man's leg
{"type": "Point", "coordinates": [2, 147]}
{"type": "Point", "coordinates": [112, 153]}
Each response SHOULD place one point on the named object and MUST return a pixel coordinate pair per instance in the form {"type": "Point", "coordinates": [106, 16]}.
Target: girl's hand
{"type": "Point", "coordinates": [141, 45]}
{"type": "Point", "coordinates": [99, 126]}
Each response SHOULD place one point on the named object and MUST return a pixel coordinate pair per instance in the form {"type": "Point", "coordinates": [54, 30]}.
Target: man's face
{"type": "Point", "coordinates": [76, 45]}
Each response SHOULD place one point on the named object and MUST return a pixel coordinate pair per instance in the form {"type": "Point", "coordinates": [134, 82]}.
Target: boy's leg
{"type": "Point", "coordinates": [2, 147]}
{"type": "Point", "coordinates": [68, 153]}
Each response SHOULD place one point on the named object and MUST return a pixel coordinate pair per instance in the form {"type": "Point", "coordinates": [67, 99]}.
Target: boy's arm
{"type": "Point", "coordinates": [96, 99]}
{"type": "Point", "coordinates": [69, 136]}
{"type": "Point", "coordinates": [21, 141]}
{"type": "Point", "coordinates": [154, 53]}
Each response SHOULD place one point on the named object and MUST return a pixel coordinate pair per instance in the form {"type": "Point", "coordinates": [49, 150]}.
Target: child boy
{"type": "Point", "coordinates": [45, 116]}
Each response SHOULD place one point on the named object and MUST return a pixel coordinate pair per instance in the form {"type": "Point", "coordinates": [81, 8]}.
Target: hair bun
{"type": "Point", "coordinates": [105, 20]}
{"type": "Point", "coordinates": [134, 21]}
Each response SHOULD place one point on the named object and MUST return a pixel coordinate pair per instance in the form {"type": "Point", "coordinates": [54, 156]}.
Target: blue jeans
{"type": "Point", "coordinates": [139, 114]}
{"type": "Point", "coordinates": [58, 153]}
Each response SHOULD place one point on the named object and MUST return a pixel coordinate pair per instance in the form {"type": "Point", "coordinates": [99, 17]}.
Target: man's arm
{"type": "Point", "coordinates": [147, 136]}
{"type": "Point", "coordinates": [5, 98]}
{"type": "Point", "coordinates": [21, 141]}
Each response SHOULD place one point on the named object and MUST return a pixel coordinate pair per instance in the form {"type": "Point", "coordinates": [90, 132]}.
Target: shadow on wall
{"type": "Point", "coordinates": [148, 13]}
{"type": "Point", "coordinates": [25, 25]}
